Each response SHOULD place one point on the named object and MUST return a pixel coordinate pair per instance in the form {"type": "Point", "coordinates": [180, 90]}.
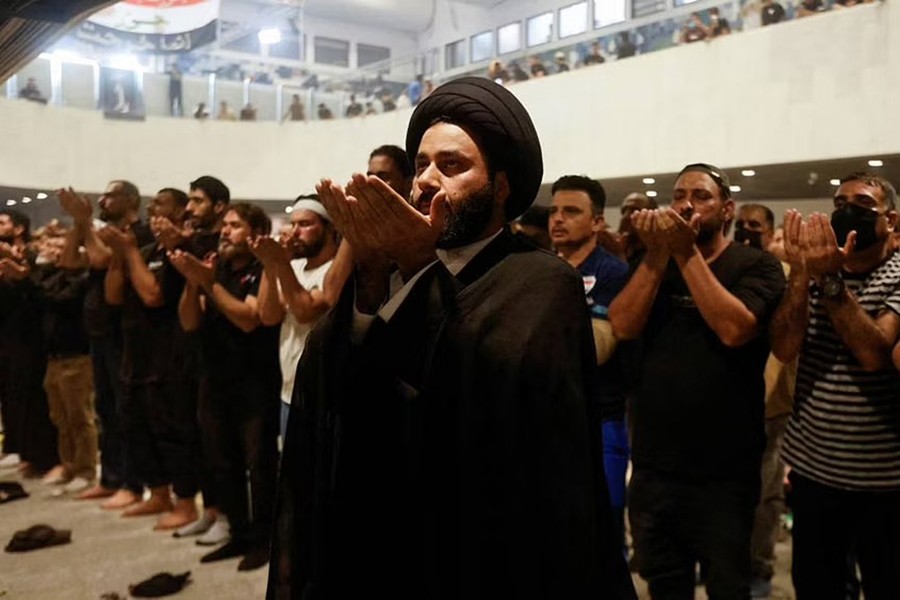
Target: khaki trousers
{"type": "Point", "coordinates": [69, 384]}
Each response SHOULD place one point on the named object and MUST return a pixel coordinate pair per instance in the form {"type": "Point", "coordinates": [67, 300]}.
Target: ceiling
{"type": "Point", "coordinates": [404, 15]}
{"type": "Point", "coordinates": [29, 26]}
{"type": "Point", "coordinates": [771, 182]}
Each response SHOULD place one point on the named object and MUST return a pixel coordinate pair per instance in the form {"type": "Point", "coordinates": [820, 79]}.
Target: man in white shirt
{"type": "Point", "coordinates": [292, 288]}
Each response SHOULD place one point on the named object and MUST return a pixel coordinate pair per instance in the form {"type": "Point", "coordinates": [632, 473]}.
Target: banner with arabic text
{"type": "Point", "coordinates": [154, 26]}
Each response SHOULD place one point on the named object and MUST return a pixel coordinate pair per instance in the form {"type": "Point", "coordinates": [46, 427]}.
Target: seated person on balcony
{"type": "Point", "coordinates": [354, 109]}
{"type": "Point", "coordinates": [772, 12]}
{"type": "Point", "coordinates": [595, 57]}
{"type": "Point", "coordinates": [225, 112]}
{"type": "Point", "coordinates": [31, 92]}
{"type": "Point", "coordinates": [296, 111]}
{"type": "Point", "coordinates": [809, 7]}
{"type": "Point", "coordinates": [694, 30]}
{"type": "Point", "coordinates": [248, 113]}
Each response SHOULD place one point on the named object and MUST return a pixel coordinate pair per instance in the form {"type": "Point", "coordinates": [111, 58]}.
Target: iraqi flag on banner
{"type": "Point", "coordinates": [155, 26]}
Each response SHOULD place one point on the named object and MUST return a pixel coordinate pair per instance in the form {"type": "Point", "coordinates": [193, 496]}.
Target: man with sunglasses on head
{"type": "Point", "coordinates": [841, 316]}
{"type": "Point", "coordinates": [699, 306]}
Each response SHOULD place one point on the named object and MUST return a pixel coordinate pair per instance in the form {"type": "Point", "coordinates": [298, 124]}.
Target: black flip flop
{"type": "Point", "coordinates": [36, 537]}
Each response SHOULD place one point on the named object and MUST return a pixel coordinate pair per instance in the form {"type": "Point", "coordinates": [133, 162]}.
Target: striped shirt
{"type": "Point", "coordinates": [845, 427]}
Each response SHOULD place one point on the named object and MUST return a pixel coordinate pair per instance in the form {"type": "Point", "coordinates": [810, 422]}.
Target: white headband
{"type": "Point", "coordinates": [312, 205]}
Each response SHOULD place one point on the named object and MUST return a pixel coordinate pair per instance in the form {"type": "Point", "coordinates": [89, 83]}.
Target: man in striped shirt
{"type": "Point", "coordinates": [841, 315]}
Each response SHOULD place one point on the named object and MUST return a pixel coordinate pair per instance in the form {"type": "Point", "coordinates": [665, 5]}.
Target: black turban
{"type": "Point", "coordinates": [500, 125]}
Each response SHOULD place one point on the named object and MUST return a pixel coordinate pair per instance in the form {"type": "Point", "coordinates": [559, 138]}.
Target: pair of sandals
{"type": "Point", "coordinates": [37, 537]}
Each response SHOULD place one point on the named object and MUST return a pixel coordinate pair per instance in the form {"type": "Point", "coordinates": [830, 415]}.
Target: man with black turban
{"type": "Point", "coordinates": [439, 444]}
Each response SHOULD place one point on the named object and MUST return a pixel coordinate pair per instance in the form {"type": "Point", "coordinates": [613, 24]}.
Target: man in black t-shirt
{"type": "Point", "coordinates": [699, 306]}
{"type": "Point", "coordinates": [160, 419]}
{"type": "Point", "coordinates": [119, 206]}
{"type": "Point", "coordinates": [240, 380]}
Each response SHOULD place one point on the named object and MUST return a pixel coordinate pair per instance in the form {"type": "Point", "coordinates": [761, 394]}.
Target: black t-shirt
{"type": "Point", "coordinates": [698, 405]}
{"type": "Point", "coordinates": [203, 243]}
{"type": "Point", "coordinates": [62, 297]}
{"type": "Point", "coordinates": [20, 314]}
{"type": "Point", "coordinates": [154, 347]}
{"type": "Point", "coordinates": [101, 319]}
{"type": "Point", "coordinates": [230, 354]}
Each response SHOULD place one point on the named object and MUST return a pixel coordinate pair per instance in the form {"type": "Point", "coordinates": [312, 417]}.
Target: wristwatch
{"type": "Point", "coordinates": [832, 286]}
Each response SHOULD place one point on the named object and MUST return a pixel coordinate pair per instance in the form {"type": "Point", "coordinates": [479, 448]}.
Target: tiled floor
{"type": "Point", "coordinates": [109, 552]}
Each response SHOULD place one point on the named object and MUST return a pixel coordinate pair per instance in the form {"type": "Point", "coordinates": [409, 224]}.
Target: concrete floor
{"type": "Point", "coordinates": [109, 552]}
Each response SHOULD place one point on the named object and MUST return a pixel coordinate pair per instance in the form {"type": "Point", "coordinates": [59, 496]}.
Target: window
{"type": "Point", "coordinates": [509, 38]}
{"type": "Point", "coordinates": [482, 46]}
{"type": "Point", "coordinates": [573, 19]}
{"type": "Point", "coordinates": [332, 52]}
{"type": "Point", "coordinates": [248, 44]}
{"type": "Point", "coordinates": [366, 54]}
{"type": "Point", "coordinates": [539, 29]}
{"type": "Point", "coordinates": [684, 2]}
{"type": "Point", "coordinates": [608, 12]}
{"type": "Point", "coordinates": [642, 8]}
{"type": "Point", "coordinates": [455, 54]}
{"type": "Point", "coordinates": [288, 47]}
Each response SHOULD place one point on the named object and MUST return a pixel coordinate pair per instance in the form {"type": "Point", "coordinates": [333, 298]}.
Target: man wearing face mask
{"type": "Point", "coordinates": [699, 306]}
{"type": "Point", "coordinates": [841, 316]}
{"type": "Point", "coordinates": [754, 227]}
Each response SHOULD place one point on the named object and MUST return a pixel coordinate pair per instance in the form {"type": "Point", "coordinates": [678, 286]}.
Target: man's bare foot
{"type": "Point", "coordinates": [185, 512]}
{"type": "Point", "coordinates": [96, 492]}
{"type": "Point", "coordinates": [55, 476]}
{"type": "Point", "coordinates": [155, 504]}
{"type": "Point", "coordinates": [120, 499]}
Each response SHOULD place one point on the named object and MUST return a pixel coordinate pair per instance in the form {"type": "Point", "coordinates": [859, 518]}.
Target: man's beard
{"type": "Point", "coordinates": [467, 219]}
{"type": "Point", "coordinates": [228, 251]}
{"type": "Point", "coordinates": [301, 249]}
{"type": "Point", "coordinates": [7, 239]}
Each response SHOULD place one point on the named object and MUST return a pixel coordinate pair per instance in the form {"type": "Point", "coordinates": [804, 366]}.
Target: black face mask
{"type": "Point", "coordinates": [851, 217]}
{"type": "Point", "coordinates": [752, 238]}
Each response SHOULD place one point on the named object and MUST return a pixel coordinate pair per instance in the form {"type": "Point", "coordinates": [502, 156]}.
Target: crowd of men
{"type": "Point", "coordinates": [458, 407]}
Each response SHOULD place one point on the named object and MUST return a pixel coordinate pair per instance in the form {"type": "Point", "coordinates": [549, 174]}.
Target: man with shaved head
{"type": "Point", "coordinates": [440, 440]}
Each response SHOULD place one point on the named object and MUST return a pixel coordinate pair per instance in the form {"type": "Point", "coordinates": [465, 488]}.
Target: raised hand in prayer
{"type": "Point", "coordinates": [77, 207]}
{"type": "Point", "coordinates": [199, 273]}
{"type": "Point", "coordinates": [823, 256]}
{"type": "Point", "coordinates": [169, 235]}
{"type": "Point", "coordinates": [680, 235]}
{"type": "Point", "coordinates": [118, 241]}
{"type": "Point", "coordinates": [796, 240]}
{"type": "Point", "coordinates": [646, 226]}
{"type": "Point", "coordinates": [268, 251]}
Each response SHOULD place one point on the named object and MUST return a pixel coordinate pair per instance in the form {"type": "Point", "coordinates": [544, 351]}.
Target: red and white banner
{"type": "Point", "coordinates": [157, 17]}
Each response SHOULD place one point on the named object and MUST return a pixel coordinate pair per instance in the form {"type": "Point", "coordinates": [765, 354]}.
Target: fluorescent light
{"type": "Point", "coordinates": [835, 182]}
{"type": "Point", "coordinates": [651, 194]}
{"type": "Point", "coordinates": [10, 202]}
{"type": "Point", "coordinates": [649, 180]}
{"type": "Point", "coordinates": [41, 196]}
{"type": "Point", "coordinates": [876, 163]}
{"type": "Point", "coordinates": [748, 172]}
{"type": "Point", "coordinates": [288, 209]}
{"type": "Point", "coordinates": [269, 36]}
{"type": "Point", "coordinates": [734, 188]}
{"type": "Point", "coordinates": [128, 62]}
{"type": "Point", "coordinates": [25, 199]}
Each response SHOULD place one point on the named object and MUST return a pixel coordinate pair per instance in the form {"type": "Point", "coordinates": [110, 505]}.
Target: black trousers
{"type": "Point", "coordinates": [161, 424]}
{"type": "Point", "coordinates": [26, 415]}
{"type": "Point", "coordinates": [239, 428]}
{"type": "Point", "coordinates": [677, 524]}
{"type": "Point", "coordinates": [835, 530]}
{"type": "Point", "coordinates": [115, 469]}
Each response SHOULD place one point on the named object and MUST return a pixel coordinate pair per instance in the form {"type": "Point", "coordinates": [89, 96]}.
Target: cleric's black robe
{"type": "Point", "coordinates": [451, 454]}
